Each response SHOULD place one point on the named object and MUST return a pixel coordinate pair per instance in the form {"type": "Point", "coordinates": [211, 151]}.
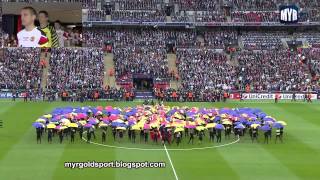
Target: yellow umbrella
{"type": "Point", "coordinates": [227, 123]}
{"type": "Point", "coordinates": [282, 122]}
{"type": "Point", "coordinates": [65, 121]}
{"type": "Point", "coordinates": [102, 124]}
{"type": "Point", "coordinates": [179, 116]}
{"type": "Point", "coordinates": [64, 127]}
{"type": "Point", "coordinates": [83, 122]}
{"type": "Point", "coordinates": [179, 129]}
{"type": "Point", "coordinates": [191, 123]}
{"type": "Point", "coordinates": [48, 116]}
{"type": "Point", "coordinates": [41, 120]}
{"type": "Point", "coordinates": [211, 125]}
{"type": "Point", "coordinates": [74, 125]}
{"type": "Point", "coordinates": [121, 128]}
{"type": "Point", "coordinates": [255, 125]}
{"type": "Point", "coordinates": [200, 128]}
{"type": "Point", "coordinates": [136, 127]}
{"type": "Point", "coordinates": [223, 115]}
{"type": "Point", "coordinates": [51, 126]}
{"type": "Point", "coordinates": [199, 121]}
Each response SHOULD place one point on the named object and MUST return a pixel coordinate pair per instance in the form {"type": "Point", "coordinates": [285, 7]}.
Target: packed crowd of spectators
{"type": "Point", "coordinates": [139, 5]}
{"type": "Point", "coordinates": [96, 37]}
{"type": "Point", "coordinates": [141, 60]}
{"type": "Point", "coordinates": [138, 16]}
{"type": "Point", "coordinates": [220, 39]}
{"type": "Point", "coordinates": [72, 68]}
{"type": "Point", "coordinates": [200, 10]}
{"type": "Point", "coordinates": [272, 70]}
{"type": "Point", "coordinates": [312, 38]}
{"type": "Point", "coordinates": [197, 5]}
{"type": "Point", "coordinates": [311, 56]}
{"type": "Point", "coordinates": [89, 4]}
{"type": "Point", "coordinates": [255, 16]}
{"type": "Point", "coordinates": [201, 69]}
{"type": "Point", "coordinates": [96, 15]}
{"type": "Point", "coordinates": [263, 40]}
{"type": "Point", "coordinates": [20, 68]}
{"type": "Point", "coordinates": [256, 5]}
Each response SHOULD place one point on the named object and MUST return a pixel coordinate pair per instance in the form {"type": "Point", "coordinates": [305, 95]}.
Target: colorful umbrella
{"type": "Point", "coordinates": [135, 127]}
{"type": "Point", "coordinates": [239, 126]}
{"type": "Point", "coordinates": [146, 126]}
{"type": "Point", "coordinates": [254, 126]}
{"type": "Point", "coordinates": [278, 125]}
{"type": "Point", "coordinates": [179, 129]}
{"type": "Point", "coordinates": [47, 116]}
{"type": "Point", "coordinates": [88, 125]}
{"type": "Point", "coordinates": [121, 128]}
{"type": "Point", "coordinates": [211, 125]}
{"type": "Point", "coordinates": [102, 124]}
{"type": "Point", "coordinates": [219, 126]}
{"type": "Point", "coordinates": [73, 125]}
{"type": "Point", "coordinates": [200, 128]}
{"type": "Point", "coordinates": [191, 126]}
{"type": "Point", "coordinates": [51, 126]}
{"type": "Point", "coordinates": [37, 125]}
{"type": "Point", "coordinates": [282, 122]}
{"type": "Point", "coordinates": [41, 120]}
{"type": "Point", "coordinates": [265, 128]}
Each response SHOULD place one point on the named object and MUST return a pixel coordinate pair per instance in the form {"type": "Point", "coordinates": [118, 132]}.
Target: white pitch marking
{"type": "Point", "coordinates": [161, 149]}
{"type": "Point", "coordinates": [174, 171]}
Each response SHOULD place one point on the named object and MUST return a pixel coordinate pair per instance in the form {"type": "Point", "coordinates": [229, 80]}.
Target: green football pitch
{"type": "Point", "coordinates": [297, 158]}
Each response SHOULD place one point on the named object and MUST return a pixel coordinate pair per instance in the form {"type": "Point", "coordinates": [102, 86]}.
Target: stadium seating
{"type": "Point", "coordinates": [72, 68]}
{"type": "Point", "coordinates": [20, 68]}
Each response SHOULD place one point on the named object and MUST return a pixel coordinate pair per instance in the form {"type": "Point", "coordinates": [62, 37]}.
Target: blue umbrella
{"type": "Point", "coordinates": [37, 125]}
{"type": "Point", "coordinates": [115, 111]}
{"type": "Point", "coordinates": [277, 125]}
{"type": "Point", "coordinates": [239, 126]}
{"type": "Point", "coordinates": [217, 118]}
{"type": "Point", "coordinates": [265, 128]}
{"type": "Point", "coordinates": [256, 122]}
{"type": "Point", "coordinates": [118, 124]}
{"type": "Point", "coordinates": [219, 126]}
{"type": "Point", "coordinates": [93, 122]}
{"type": "Point", "coordinates": [88, 125]}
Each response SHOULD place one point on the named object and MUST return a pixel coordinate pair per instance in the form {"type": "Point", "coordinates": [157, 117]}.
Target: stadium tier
{"type": "Point", "coordinates": [158, 62]}
{"type": "Point", "coordinates": [195, 11]}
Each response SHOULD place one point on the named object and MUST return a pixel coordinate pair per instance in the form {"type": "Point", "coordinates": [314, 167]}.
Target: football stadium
{"type": "Point", "coordinates": [160, 89]}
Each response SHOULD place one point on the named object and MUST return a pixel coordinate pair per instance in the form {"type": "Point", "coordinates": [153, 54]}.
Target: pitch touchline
{"type": "Point", "coordinates": [161, 149]}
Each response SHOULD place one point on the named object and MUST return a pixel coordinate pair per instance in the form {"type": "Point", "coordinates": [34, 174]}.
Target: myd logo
{"type": "Point", "coordinates": [289, 14]}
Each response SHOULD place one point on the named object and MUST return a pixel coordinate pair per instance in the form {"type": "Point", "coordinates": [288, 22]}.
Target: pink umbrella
{"type": "Point", "coordinates": [190, 126]}
{"type": "Point", "coordinates": [146, 126]}
{"type": "Point", "coordinates": [109, 108]}
{"type": "Point", "coordinates": [81, 116]}
{"type": "Point", "coordinates": [105, 118]}
{"type": "Point", "coordinates": [113, 117]}
{"type": "Point", "coordinates": [99, 108]}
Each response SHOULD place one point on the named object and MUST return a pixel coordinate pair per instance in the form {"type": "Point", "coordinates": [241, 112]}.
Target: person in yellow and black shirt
{"type": "Point", "coordinates": [49, 30]}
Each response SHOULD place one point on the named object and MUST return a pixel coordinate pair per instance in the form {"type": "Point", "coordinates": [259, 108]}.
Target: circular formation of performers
{"type": "Point", "coordinates": [157, 124]}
